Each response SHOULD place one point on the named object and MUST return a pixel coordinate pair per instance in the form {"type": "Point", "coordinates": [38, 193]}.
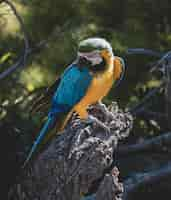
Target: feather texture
{"type": "Point", "coordinates": [72, 87]}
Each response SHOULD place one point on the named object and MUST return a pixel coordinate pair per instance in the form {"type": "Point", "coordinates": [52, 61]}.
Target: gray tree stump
{"type": "Point", "coordinates": [77, 164]}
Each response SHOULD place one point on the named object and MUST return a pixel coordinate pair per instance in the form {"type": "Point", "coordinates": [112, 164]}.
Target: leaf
{"type": "Point", "coordinates": [5, 57]}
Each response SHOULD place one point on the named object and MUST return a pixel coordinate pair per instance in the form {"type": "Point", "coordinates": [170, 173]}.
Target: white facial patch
{"type": "Point", "coordinates": [94, 57]}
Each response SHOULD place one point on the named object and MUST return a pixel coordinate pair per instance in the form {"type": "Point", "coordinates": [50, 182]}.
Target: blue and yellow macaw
{"type": "Point", "coordinates": [83, 83]}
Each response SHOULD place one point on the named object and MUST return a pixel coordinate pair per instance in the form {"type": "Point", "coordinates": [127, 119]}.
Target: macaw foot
{"type": "Point", "coordinates": [92, 120]}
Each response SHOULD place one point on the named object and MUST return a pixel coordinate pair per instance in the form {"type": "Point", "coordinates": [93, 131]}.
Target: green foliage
{"type": "Point", "coordinates": [5, 58]}
{"type": "Point", "coordinates": [125, 24]}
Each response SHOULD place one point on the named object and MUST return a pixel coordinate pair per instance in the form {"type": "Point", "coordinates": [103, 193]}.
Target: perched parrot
{"type": "Point", "coordinates": [85, 82]}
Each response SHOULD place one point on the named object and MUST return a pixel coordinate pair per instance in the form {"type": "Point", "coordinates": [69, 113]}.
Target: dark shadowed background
{"type": "Point", "coordinates": [54, 28]}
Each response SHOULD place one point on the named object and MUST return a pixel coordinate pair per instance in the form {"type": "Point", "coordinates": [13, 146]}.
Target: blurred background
{"type": "Point", "coordinates": [54, 29]}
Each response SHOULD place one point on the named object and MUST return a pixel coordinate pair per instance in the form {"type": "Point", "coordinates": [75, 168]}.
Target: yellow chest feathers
{"type": "Point", "coordinates": [102, 83]}
{"type": "Point", "coordinates": [100, 86]}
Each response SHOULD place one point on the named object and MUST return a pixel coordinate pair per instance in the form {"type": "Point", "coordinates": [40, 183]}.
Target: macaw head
{"type": "Point", "coordinates": [94, 53]}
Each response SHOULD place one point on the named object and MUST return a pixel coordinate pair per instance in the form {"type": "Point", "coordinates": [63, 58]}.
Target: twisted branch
{"type": "Point", "coordinates": [23, 57]}
{"type": "Point", "coordinates": [28, 48]}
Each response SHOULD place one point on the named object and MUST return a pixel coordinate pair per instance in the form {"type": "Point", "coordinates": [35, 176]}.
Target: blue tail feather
{"type": "Point", "coordinates": [48, 125]}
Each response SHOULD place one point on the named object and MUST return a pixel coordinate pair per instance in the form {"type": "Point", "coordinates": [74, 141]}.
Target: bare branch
{"type": "Point", "coordinates": [156, 143]}
{"type": "Point", "coordinates": [148, 114]}
{"type": "Point", "coordinates": [140, 106]}
{"type": "Point", "coordinates": [142, 51]}
{"type": "Point", "coordinates": [22, 59]}
{"type": "Point", "coordinates": [131, 184]}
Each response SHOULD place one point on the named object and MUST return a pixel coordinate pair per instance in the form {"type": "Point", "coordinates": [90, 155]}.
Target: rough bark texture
{"type": "Point", "coordinates": [77, 162]}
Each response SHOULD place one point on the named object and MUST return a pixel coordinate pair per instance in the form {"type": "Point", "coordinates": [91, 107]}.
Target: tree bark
{"type": "Point", "coordinates": [74, 165]}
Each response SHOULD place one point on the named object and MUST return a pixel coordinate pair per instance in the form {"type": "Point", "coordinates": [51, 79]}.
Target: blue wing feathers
{"type": "Point", "coordinates": [73, 86]}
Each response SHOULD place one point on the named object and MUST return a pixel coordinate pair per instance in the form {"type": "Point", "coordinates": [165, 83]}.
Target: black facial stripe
{"type": "Point", "coordinates": [99, 67]}
{"type": "Point", "coordinates": [84, 62]}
